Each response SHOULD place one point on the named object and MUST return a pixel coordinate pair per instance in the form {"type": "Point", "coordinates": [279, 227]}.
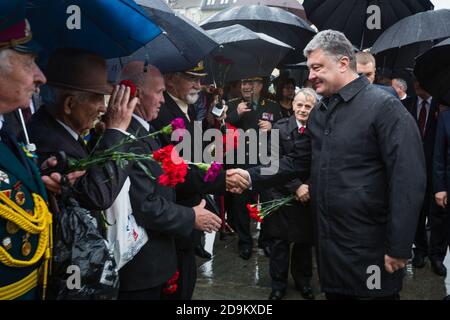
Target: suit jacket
{"type": "Point", "coordinates": [430, 130]}
{"type": "Point", "coordinates": [100, 186]}
{"type": "Point", "coordinates": [441, 157]}
{"type": "Point", "coordinates": [154, 209]}
{"type": "Point", "coordinates": [292, 223]}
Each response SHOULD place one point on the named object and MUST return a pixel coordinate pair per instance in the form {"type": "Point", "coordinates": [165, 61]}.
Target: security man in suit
{"type": "Point", "coordinates": [424, 108]}
{"type": "Point", "coordinates": [25, 221]}
{"type": "Point", "coordinates": [250, 113]}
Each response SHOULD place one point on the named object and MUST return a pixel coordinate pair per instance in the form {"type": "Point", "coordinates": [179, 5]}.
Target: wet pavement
{"type": "Point", "coordinates": [228, 277]}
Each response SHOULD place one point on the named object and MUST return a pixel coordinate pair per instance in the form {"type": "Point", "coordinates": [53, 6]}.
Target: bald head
{"type": "Point", "coordinates": [134, 71]}
{"type": "Point", "coordinates": [150, 88]}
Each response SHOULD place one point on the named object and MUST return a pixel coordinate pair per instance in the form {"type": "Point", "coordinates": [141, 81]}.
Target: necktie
{"type": "Point", "coordinates": [26, 112]}
{"type": "Point", "coordinates": [422, 117]}
{"type": "Point", "coordinates": [301, 130]}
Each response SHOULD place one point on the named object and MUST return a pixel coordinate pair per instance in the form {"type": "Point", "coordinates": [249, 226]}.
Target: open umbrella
{"type": "Point", "coordinates": [397, 47]}
{"type": "Point", "coordinates": [275, 22]}
{"type": "Point", "coordinates": [180, 46]}
{"type": "Point", "coordinates": [351, 17]}
{"type": "Point", "coordinates": [111, 28]}
{"type": "Point", "coordinates": [293, 6]}
{"type": "Point", "coordinates": [243, 54]}
{"type": "Point", "coordinates": [433, 71]}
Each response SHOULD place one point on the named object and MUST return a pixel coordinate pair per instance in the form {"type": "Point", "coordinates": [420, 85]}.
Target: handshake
{"type": "Point", "coordinates": [237, 180]}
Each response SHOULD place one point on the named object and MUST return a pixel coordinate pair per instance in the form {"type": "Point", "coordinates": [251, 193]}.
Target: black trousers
{"type": "Point", "coordinates": [301, 263]}
{"type": "Point", "coordinates": [436, 248]}
{"type": "Point", "coordinates": [337, 296]}
{"type": "Point", "coordinates": [239, 217]}
{"type": "Point", "coordinates": [187, 266]}
{"type": "Point", "coordinates": [146, 294]}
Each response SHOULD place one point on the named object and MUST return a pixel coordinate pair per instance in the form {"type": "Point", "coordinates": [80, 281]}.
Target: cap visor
{"type": "Point", "coordinates": [30, 47]}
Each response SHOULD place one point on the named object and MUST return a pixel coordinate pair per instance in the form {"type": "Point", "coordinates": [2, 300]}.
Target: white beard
{"type": "Point", "coordinates": [192, 98]}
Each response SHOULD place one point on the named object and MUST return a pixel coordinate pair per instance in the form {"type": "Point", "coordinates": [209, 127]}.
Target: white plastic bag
{"type": "Point", "coordinates": [124, 234]}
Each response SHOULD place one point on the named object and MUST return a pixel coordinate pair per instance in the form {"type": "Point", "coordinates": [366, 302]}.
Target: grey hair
{"type": "Point", "coordinates": [53, 97]}
{"type": "Point", "coordinates": [334, 44]}
{"type": "Point", "coordinates": [5, 60]}
{"type": "Point", "coordinates": [401, 83]}
{"type": "Point", "coordinates": [307, 92]}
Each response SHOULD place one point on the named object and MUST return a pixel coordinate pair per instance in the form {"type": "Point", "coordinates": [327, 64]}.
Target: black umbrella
{"type": "Point", "coordinates": [180, 46]}
{"type": "Point", "coordinates": [433, 71]}
{"type": "Point", "coordinates": [351, 16]}
{"type": "Point", "coordinates": [397, 47]}
{"type": "Point", "coordinates": [275, 22]}
{"type": "Point", "coordinates": [243, 53]}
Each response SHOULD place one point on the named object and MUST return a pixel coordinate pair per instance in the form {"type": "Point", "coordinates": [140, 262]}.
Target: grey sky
{"type": "Point", "coordinates": [441, 4]}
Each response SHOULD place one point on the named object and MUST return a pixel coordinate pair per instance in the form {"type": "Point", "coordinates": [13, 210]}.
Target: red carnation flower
{"type": "Point", "coordinates": [174, 167]}
{"type": "Point", "coordinates": [129, 83]}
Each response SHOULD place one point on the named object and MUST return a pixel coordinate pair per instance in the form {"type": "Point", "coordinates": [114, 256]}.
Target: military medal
{"type": "Point", "coordinates": [7, 243]}
{"type": "Point", "coordinates": [4, 177]}
{"type": "Point", "coordinates": [17, 186]}
{"type": "Point", "coordinates": [11, 227]}
{"type": "Point", "coordinates": [26, 246]}
{"type": "Point", "coordinates": [20, 198]}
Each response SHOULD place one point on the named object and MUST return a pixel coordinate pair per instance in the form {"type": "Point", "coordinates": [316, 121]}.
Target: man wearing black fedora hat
{"type": "Point", "coordinates": [74, 99]}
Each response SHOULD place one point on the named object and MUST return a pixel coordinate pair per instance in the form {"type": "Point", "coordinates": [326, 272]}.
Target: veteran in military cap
{"type": "Point", "coordinates": [251, 112]}
{"type": "Point", "coordinates": [25, 221]}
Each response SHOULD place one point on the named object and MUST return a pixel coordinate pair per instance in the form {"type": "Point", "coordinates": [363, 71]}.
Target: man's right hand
{"type": "Point", "coordinates": [237, 180]}
{"type": "Point", "coordinates": [242, 108]}
{"type": "Point", "coordinates": [53, 181]}
{"type": "Point", "coordinates": [120, 108]}
{"type": "Point", "coordinates": [441, 199]}
{"type": "Point", "coordinates": [205, 220]}
{"type": "Point", "coordinates": [302, 193]}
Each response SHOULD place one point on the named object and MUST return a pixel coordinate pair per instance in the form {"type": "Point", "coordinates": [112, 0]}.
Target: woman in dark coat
{"type": "Point", "coordinates": [291, 224]}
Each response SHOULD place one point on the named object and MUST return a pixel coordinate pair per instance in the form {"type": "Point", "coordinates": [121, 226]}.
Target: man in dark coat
{"type": "Point", "coordinates": [365, 200]}
{"type": "Point", "coordinates": [293, 223]}
{"type": "Point", "coordinates": [74, 99]}
{"type": "Point", "coordinates": [154, 205]}
{"type": "Point", "coordinates": [424, 108]}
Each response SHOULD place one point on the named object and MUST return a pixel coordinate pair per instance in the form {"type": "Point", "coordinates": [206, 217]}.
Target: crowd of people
{"type": "Point", "coordinates": [366, 162]}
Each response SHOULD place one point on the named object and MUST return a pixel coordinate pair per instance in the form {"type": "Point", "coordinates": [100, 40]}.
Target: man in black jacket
{"type": "Point", "coordinates": [182, 92]}
{"type": "Point", "coordinates": [365, 200]}
{"type": "Point", "coordinates": [153, 204]}
{"type": "Point", "coordinates": [74, 100]}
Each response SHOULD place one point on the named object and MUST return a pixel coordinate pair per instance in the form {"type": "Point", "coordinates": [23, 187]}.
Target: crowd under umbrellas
{"type": "Point", "coordinates": [250, 40]}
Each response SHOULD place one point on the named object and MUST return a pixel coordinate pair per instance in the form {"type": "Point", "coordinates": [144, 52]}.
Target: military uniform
{"type": "Point", "coordinates": [25, 222]}
{"type": "Point", "coordinates": [264, 109]}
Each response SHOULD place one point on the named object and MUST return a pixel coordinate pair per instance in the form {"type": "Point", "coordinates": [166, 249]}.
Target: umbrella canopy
{"type": "Point", "coordinates": [433, 71]}
{"type": "Point", "coordinates": [275, 22]}
{"type": "Point", "coordinates": [351, 17]}
{"type": "Point", "coordinates": [397, 47]}
{"type": "Point", "coordinates": [243, 54]}
{"type": "Point", "coordinates": [181, 45]}
{"type": "Point", "coordinates": [111, 28]}
{"type": "Point", "coordinates": [293, 6]}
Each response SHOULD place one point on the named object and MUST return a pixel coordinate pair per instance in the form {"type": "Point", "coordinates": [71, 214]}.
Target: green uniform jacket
{"type": "Point", "coordinates": [18, 180]}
